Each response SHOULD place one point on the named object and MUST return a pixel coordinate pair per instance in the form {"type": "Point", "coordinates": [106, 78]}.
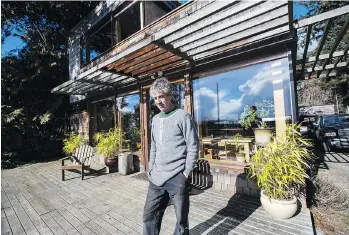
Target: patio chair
{"type": "Point", "coordinates": [81, 161]}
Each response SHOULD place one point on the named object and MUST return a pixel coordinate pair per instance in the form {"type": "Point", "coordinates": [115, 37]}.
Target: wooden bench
{"type": "Point", "coordinates": [81, 161]}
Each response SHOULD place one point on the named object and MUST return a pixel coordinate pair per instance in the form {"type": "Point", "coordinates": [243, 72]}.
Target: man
{"type": "Point", "coordinates": [173, 153]}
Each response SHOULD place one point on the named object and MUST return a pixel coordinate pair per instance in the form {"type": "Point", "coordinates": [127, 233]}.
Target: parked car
{"type": "Point", "coordinates": [331, 131]}
{"type": "Point", "coordinates": [306, 122]}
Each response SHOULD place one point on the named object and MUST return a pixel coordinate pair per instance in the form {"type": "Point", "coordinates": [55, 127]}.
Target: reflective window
{"type": "Point", "coordinates": [105, 115]}
{"type": "Point", "coordinates": [110, 31]}
{"type": "Point", "coordinates": [99, 40]}
{"type": "Point", "coordinates": [222, 102]}
{"type": "Point", "coordinates": [129, 21]}
{"type": "Point", "coordinates": [128, 107]}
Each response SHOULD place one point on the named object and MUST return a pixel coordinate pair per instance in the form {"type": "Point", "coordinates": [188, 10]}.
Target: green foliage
{"type": "Point", "coordinates": [238, 147]}
{"type": "Point", "coordinates": [34, 120]}
{"type": "Point", "coordinates": [279, 167]}
{"type": "Point", "coordinates": [8, 118]}
{"type": "Point", "coordinates": [341, 80]}
{"type": "Point", "coordinates": [265, 108]}
{"type": "Point", "coordinates": [247, 117]}
{"type": "Point", "coordinates": [317, 7]}
{"type": "Point", "coordinates": [72, 142]}
{"type": "Point", "coordinates": [110, 144]}
{"type": "Point", "coordinates": [135, 137]}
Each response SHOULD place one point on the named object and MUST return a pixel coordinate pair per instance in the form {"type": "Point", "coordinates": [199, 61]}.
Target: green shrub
{"type": "Point", "coordinates": [265, 108]}
{"type": "Point", "coordinates": [238, 146]}
{"type": "Point", "coordinates": [110, 144]}
{"type": "Point", "coordinates": [72, 142]}
{"type": "Point", "coordinates": [280, 166]}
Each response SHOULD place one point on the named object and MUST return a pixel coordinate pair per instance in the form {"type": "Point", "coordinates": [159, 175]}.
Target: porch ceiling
{"type": "Point", "coordinates": [320, 63]}
{"type": "Point", "coordinates": [196, 34]}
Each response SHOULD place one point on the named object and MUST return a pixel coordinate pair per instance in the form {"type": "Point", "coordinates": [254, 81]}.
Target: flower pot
{"type": "Point", "coordinates": [280, 209]}
{"type": "Point", "coordinates": [262, 136]}
{"type": "Point", "coordinates": [111, 162]}
{"type": "Point", "coordinates": [240, 157]}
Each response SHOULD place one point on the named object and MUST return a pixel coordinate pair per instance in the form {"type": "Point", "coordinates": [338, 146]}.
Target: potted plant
{"type": "Point", "coordinates": [253, 119]}
{"type": "Point", "coordinates": [239, 148]}
{"type": "Point", "coordinates": [71, 142]}
{"type": "Point", "coordinates": [279, 168]}
{"type": "Point", "coordinates": [109, 145]}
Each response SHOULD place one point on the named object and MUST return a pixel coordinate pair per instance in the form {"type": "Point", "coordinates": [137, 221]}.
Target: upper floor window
{"type": "Point", "coordinates": [121, 24]}
{"type": "Point", "coordinates": [114, 28]}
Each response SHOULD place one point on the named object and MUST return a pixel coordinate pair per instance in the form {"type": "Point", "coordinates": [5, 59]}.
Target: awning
{"type": "Point", "coordinates": [95, 82]}
{"type": "Point", "coordinates": [196, 34]}
{"type": "Point", "coordinates": [323, 63]}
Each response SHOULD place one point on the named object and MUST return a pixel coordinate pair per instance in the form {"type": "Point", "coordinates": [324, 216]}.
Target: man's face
{"type": "Point", "coordinates": [162, 101]}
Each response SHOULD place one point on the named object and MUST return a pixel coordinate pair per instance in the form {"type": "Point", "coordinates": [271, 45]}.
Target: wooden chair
{"type": "Point", "coordinates": [81, 161]}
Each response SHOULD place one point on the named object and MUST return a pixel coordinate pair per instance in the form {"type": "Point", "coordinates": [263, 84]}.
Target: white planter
{"type": "Point", "coordinates": [125, 163]}
{"type": "Point", "coordinates": [278, 208]}
{"type": "Point", "coordinates": [262, 136]}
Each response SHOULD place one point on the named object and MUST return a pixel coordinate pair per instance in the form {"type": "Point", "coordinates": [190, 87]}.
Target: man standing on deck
{"type": "Point", "coordinates": [173, 154]}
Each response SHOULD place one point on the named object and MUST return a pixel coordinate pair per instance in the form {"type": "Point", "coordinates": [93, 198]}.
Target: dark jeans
{"type": "Point", "coordinates": [176, 189]}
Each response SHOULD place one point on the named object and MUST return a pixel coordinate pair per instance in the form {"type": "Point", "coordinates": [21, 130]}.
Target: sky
{"type": "Point", "coordinates": [12, 43]}
{"type": "Point", "coordinates": [299, 11]}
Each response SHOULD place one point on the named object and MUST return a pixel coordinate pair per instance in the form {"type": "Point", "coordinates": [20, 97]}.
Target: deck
{"type": "Point", "coordinates": [34, 200]}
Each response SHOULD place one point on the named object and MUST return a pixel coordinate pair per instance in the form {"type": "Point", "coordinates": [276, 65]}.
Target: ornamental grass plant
{"type": "Point", "coordinates": [279, 167]}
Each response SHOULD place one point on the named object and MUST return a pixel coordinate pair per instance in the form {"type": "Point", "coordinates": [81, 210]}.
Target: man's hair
{"type": "Point", "coordinates": [254, 108]}
{"type": "Point", "coordinates": [161, 85]}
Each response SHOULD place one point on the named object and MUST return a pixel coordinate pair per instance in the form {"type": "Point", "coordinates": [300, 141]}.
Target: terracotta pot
{"type": "Point", "coordinates": [279, 209]}
{"type": "Point", "coordinates": [111, 162]}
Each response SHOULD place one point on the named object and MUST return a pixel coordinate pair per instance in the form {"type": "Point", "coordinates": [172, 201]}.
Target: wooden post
{"type": "Point", "coordinates": [144, 120]}
{"type": "Point", "coordinates": [115, 111]}
{"type": "Point", "coordinates": [188, 94]}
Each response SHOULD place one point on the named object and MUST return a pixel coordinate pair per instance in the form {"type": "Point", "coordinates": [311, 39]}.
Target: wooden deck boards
{"type": "Point", "coordinates": [35, 201]}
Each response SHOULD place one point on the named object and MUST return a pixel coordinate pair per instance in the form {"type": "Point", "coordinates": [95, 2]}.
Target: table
{"type": "Point", "coordinates": [246, 142]}
{"type": "Point", "coordinates": [212, 142]}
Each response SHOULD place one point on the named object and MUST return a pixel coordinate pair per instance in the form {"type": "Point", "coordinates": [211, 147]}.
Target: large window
{"type": "Point", "coordinates": [129, 112]}
{"type": "Point", "coordinates": [129, 22]}
{"type": "Point", "coordinates": [222, 101]}
{"type": "Point", "coordinates": [105, 115]}
{"type": "Point", "coordinates": [111, 30]}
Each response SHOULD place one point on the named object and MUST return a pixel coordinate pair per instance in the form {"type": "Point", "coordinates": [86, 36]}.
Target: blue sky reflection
{"type": "Point", "coordinates": [235, 89]}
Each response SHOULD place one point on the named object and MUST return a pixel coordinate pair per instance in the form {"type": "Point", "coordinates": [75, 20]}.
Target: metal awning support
{"type": "Point", "coordinates": [322, 17]}
{"type": "Point", "coordinates": [336, 43]}
{"type": "Point", "coordinates": [322, 42]}
{"type": "Point", "coordinates": [308, 23]}
{"type": "Point", "coordinates": [96, 81]}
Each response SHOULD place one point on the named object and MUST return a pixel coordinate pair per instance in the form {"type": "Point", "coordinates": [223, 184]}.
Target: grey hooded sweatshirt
{"type": "Point", "coordinates": [174, 146]}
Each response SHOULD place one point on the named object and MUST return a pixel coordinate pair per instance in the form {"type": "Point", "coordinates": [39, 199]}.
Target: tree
{"type": "Point", "coordinates": [318, 7]}
{"type": "Point", "coordinates": [340, 83]}
{"type": "Point", "coordinates": [34, 120]}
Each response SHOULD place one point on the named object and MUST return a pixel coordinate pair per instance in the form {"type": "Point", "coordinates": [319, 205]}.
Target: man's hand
{"type": "Point", "coordinates": [186, 176]}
